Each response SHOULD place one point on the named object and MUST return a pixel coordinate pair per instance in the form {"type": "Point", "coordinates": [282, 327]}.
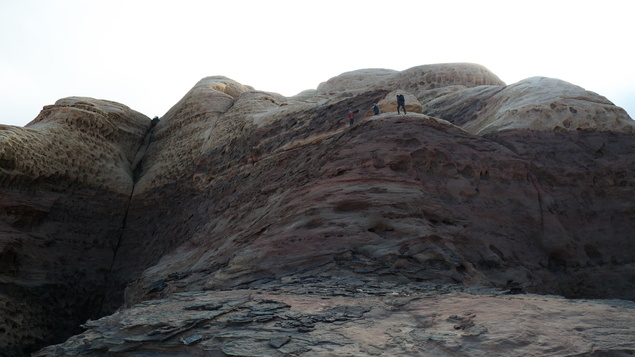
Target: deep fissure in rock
{"type": "Point", "coordinates": [137, 170]}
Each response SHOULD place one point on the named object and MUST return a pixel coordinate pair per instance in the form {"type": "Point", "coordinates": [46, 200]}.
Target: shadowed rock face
{"type": "Point", "coordinates": [525, 188]}
{"type": "Point", "coordinates": [66, 184]}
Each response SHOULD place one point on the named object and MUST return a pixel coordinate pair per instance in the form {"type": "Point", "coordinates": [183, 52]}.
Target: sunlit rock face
{"type": "Point", "coordinates": [178, 138]}
{"type": "Point", "coordinates": [539, 103]}
{"type": "Point", "coordinates": [412, 80]}
{"type": "Point", "coordinates": [523, 188]}
{"type": "Point", "coordinates": [88, 141]}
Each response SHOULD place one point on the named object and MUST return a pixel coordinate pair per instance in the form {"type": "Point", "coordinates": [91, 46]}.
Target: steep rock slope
{"type": "Point", "coordinates": [413, 196]}
{"type": "Point", "coordinates": [285, 185]}
{"type": "Point", "coordinates": [66, 182]}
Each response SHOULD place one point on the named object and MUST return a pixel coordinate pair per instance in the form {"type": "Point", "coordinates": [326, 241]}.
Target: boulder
{"type": "Point", "coordinates": [389, 103]}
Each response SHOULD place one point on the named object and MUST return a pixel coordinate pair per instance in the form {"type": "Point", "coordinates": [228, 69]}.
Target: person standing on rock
{"type": "Point", "coordinates": [351, 117]}
{"type": "Point", "coordinates": [401, 103]}
{"type": "Point", "coordinates": [375, 108]}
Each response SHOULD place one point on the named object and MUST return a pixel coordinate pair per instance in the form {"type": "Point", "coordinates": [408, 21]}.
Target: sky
{"type": "Point", "coordinates": [148, 54]}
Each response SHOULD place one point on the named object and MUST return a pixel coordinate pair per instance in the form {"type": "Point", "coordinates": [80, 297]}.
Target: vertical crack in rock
{"type": "Point", "coordinates": [540, 205]}
{"type": "Point", "coordinates": [137, 169]}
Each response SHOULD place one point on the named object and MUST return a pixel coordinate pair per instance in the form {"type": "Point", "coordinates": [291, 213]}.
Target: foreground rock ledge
{"type": "Point", "coordinates": [323, 316]}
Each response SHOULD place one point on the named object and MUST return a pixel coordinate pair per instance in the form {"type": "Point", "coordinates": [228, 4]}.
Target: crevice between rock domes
{"type": "Point", "coordinates": [137, 169]}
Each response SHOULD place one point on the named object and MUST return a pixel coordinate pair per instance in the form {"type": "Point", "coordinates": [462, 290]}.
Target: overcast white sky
{"type": "Point", "coordinates": [148, 54]}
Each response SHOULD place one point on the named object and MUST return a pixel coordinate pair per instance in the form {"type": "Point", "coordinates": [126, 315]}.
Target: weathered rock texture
{"type": "Point", "coordinates": [66, 183]}
{"type": "Point", "coordinates": [537, 103]}
{"type": "Point", "coordinates": [83, 140]}
{"type": "Point", "coordinates": [321, 316]}
{"type": "Point", "coordinates": [526, 188]}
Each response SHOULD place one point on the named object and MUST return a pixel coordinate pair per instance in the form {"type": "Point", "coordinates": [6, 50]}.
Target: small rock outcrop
{"type": "Point", "coordinates": [248, 223]}
{"type": "Point", "coordinates": [389, 103]}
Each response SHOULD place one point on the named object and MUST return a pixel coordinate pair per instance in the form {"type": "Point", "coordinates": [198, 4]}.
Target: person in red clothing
{"type": "Point", "coordinates": [351, 118]}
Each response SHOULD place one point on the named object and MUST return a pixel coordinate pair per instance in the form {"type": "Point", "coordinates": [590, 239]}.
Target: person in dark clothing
{"type": "Point", "coordinates": [401, 103]}
{"type": "Point", "coordinates": [375, 108]}
{"type": "Point", "coordinates": [351, 118]}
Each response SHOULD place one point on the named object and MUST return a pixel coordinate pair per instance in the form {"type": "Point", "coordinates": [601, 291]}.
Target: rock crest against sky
{"type": "Point", "coordinates": [236, 194]}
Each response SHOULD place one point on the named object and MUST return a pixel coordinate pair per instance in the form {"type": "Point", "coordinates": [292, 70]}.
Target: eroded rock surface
{"type": "Point", "coordinates": [354, 316]}
{"type": "Point", "coordinates": [66, 182]}
{"type": "Point", "coordinates": [239, 195]}
{"type": "Point", "coordinates": [413, 80]}
{"type": "Point", "coordinates": [88, 141]}
{"type": "Point", "coordinates": [548, 104]}
{"type": "Point", "coordinates": [538, 103]}
{"type": "Point", "coordinates": [178, 138]}
{"type": "Point", "coordinates": [414, 195]}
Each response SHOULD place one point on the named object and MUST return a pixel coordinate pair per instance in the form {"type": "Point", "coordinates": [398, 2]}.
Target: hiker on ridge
{"type": "Point", "coordinates": [401, 102]}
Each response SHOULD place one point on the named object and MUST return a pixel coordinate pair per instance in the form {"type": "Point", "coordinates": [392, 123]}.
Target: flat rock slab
{"type": "Point", "coordinates": [380, 318]}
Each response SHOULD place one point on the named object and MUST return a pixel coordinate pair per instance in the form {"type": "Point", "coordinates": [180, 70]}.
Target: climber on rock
{"type": "Point", "coordinates": [375, 108]}
{"type": "Point", "coordinates": [351, 117]}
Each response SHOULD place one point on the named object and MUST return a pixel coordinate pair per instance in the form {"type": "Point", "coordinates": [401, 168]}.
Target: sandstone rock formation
{"type": "Point", "coordinates": [249, 206]}
{"type": "Point", "coordinates": [546, 104]}
{"type": "Point", "coordinates": [413, 80]}
{"type": "Point", "coordinates": [83, 140]}
{"type": "Point", "coordinates": [66, 183]}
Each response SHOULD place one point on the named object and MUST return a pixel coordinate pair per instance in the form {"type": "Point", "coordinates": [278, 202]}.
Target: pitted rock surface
{"type": "Point", "coordinates": [411, 80]}
{"type": "Point", "coordinates": [66, 180]}
{"type": "Point", "coordinates": [548, 104]}
{"type": "Point", "coordinates": [88, 141]}
{"type": "Point", "coordinates": [178, 138]}
{"type": "Point", "coordinates": [539, 103]}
